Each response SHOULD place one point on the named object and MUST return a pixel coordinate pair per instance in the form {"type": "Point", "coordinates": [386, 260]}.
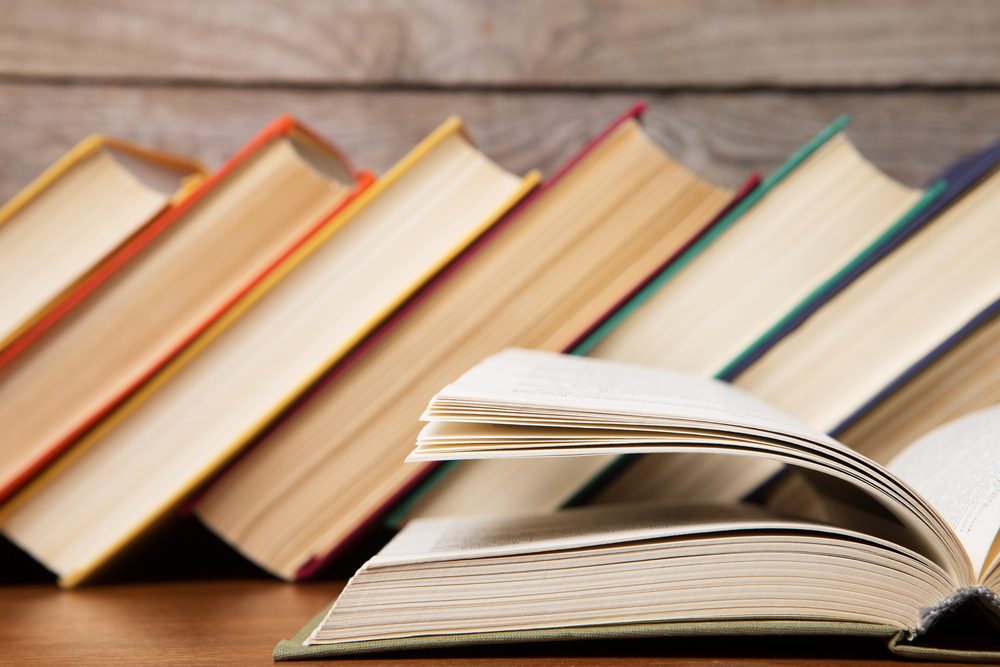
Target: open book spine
{"type": "Point", "coordinates": [19, 340]}
{"type": "Point", "coordinates": [37, 471]}
{"type": "Point", "coordinates": [941, 192]}
{"type": "Point", "coordinates": [318, 561]}
{"type": "Point", "coordinates": [935, 640]}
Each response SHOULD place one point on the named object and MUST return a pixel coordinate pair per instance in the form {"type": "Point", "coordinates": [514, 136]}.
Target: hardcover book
{"type": "Point", "coordinates": [179, 274]}
{"type": "Point", "coordinates": [68, 224]}
{"type": "Point", "coordinates": [902, 550]}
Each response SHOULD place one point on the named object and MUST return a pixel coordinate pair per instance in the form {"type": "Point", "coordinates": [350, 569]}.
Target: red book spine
{"type": "Point", "coordinates": [279, 127]}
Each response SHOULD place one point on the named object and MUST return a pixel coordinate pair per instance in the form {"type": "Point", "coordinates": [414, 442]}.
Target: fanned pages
{"type": "Point", "coordinates": [218, 395]}
{"type": "Point", "coordinates": [776, 252]}
{"type": "Point", "coordinates": [624, 565]}
{"type": "Point", "coordinates": [552, 269]}
{"type": "Point", "coordinates": [890, 563]}
{"type": "Point", "coordinates": [185, 269]}
{"type": "Point", "coordinates": [72, 218]}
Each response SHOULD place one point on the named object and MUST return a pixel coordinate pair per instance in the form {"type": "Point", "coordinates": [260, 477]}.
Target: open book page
{"type": "Point", "coordinates": [437, 539]}
{"type": "Point", "coordinates": [523, 403]}
{"type": "Point", "coordinates": [612, 566]}
{"type": "Point", "coordinates": [957, 469]}
{"type": "Point", "coordinates": [544, 379]}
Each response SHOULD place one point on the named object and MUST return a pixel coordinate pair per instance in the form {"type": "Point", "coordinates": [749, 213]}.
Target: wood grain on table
{"type": "Point", "coordinates": [239, 622]}
{"type": "Point", "coordinates": [734, 85]}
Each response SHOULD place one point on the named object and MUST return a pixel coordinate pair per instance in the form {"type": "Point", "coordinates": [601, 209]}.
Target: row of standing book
{"type": "Point", "coordinates": [256, 345]}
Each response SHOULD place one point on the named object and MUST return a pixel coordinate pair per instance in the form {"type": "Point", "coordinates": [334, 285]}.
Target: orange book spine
{"type": "Point", "coordinates": [12, 345]}
{"type": "Point", "coordinates": [364, 180]}
{"type": "Point", "coordinates": [280, 127]}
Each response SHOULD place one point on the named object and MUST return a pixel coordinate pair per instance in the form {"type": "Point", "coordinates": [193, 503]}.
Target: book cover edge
{"type": "Point", "coordinates": [296, 649]}
{"type": "Point", "coordinates": [13, 343]}
{"type": "Point", "coordinates": [281, 126]}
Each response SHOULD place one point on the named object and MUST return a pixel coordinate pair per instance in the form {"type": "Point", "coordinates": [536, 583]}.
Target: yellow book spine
{"type": "Point", "coordinates": [88, 146]}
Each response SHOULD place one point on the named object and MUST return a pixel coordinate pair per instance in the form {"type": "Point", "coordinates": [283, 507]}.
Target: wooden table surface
{"type": "Point", "coordinates": [733, 86]}
{"type": "Point", "coordinates": [238, 623]}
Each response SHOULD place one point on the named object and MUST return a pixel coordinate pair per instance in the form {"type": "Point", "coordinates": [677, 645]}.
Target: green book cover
{"type": "Point", "coordinates": [939, 643]}
{"type": "Point", "coordinates": [296, 649]}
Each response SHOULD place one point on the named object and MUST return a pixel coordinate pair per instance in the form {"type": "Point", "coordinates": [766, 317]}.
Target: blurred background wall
{"type": "Point", "coordinates": [733, 85]}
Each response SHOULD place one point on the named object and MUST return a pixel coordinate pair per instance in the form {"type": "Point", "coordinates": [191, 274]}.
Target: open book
{"type": "Point", "coordinates": [899, 553]}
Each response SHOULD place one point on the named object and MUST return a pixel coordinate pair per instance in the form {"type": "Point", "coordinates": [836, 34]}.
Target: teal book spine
{"type": "Point", "coordinates": [727, 222]}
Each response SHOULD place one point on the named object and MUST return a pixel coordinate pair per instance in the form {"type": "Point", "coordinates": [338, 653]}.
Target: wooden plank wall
{"type": "Point", "coordinates": [733, 85]}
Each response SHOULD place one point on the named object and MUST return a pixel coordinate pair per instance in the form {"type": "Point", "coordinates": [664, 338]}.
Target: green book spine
{"type": "Point", "coordinates": [887, 237]}
{"type": "Point", "coordinates": [708, 239]}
